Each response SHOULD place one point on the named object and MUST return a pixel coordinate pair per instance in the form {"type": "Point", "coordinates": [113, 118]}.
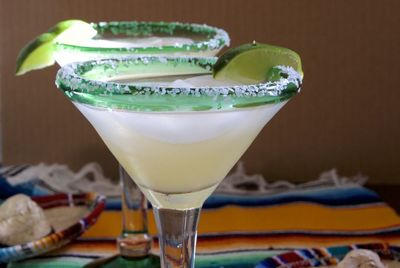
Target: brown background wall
{"type": "Point", "coordinates": [347, 115]}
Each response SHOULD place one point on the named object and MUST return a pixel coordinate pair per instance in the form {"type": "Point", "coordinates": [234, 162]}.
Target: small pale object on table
{"type": "Point", "coordinates": [361, 258]}
{"type": "Point", "coordinates": [22, 221]}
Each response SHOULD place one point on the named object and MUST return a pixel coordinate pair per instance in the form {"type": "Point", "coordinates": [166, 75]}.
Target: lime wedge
{"type": "Point", "coordinates": [38, 53]}
{"type": "Point", "coordinates": [254, 63]}
{"type": "Point", "coordinates": [73, 31]}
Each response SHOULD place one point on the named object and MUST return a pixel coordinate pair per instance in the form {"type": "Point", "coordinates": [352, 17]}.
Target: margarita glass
{"type": "Point", "coordinates": [176, 137]}
{"type": "Point", "coordinates": [121, 38]}
{"type": "Point", "coordinates": [115, 39]}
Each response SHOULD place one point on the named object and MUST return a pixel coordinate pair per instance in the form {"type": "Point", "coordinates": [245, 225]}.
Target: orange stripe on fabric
{"type": "Point", "coordinates": [295, 216]}
{"type": "Point", "coordinates": [298, 216]}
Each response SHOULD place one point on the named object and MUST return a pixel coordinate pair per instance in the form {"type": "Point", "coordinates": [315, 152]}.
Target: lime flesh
{"type": "Point", "coordinates": [38, 53]}
{"type": "Point", "coordinates": [251, 63]}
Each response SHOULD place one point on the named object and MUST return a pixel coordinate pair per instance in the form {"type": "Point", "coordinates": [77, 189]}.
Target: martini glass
{"type": "Point", "coordinates": [175, 130]}
{"type": "Point", "coordinates": [121, 38]}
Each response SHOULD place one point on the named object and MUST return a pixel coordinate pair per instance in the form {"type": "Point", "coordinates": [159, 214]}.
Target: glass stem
{"type": "Point", "coordinates": [134, 240]}
{"type": "Point", "coordinates": [177, 230]}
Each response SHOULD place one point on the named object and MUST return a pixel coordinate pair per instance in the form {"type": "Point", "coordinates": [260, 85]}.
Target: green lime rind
{"type": "Point", "coordinates": [63, 25]}
{"type": "Point", "coordinates": [38, 53]}
{"type": "Point", "coordinates": [251, 63]}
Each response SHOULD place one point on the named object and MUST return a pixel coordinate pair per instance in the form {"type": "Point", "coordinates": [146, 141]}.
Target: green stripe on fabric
{"type": "Point", "coordinates": [59, 262]}
{"type": "Point", "coordinates": [235, 259]}
{"type": "Point", "coordinates": [227, 260]}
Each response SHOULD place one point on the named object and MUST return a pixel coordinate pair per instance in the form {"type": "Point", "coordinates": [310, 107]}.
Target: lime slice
{"type": "Point", "coordinates": [38, 53]}
{"type": "Point", "coordinates": [254, 63]}
{"type": "Point", "coordinates": [73, 31]}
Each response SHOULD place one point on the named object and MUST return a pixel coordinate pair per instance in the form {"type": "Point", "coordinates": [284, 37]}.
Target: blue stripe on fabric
{"type": "Point", "coordinates": [334, 196]}
{"type": "Point", "coordinates": [30, 188]}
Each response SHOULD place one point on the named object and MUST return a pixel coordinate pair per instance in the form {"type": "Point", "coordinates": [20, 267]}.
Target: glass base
{"type": "Point", "coordinates": [134, 245]}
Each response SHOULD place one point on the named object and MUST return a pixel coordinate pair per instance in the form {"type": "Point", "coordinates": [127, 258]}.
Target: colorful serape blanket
{"type": "Point", "coordinates": [296, 228]}
{"type": "Point", "coordinates": [315, 257]}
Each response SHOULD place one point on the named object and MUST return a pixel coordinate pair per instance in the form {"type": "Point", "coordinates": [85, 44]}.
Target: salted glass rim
{"type": "Point", "coordinates": [219, 37]}
{"type": "Point", "coordinates": [72, 79]}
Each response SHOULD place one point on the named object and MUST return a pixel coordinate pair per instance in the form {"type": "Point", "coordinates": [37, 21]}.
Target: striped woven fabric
{"type": "Point", "coordinates": [314, 257]}
{"type": "Point", "coordinates": [249, 230]}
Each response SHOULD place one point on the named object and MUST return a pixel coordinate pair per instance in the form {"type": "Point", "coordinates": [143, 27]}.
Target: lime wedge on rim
{"type": "Point", "coordinates": [252, 63]}
{"type": "Point", "coordinates": [38, 53]}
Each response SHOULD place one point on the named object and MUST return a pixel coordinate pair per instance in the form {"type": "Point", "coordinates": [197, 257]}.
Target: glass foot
{"type": "Point", "coordinates": [134, 245]}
